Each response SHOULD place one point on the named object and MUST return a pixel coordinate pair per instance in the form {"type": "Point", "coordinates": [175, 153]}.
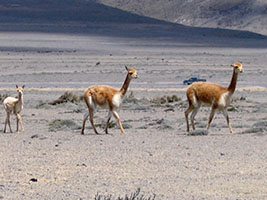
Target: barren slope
{"type": "Point", "coordinates": [248, 15]}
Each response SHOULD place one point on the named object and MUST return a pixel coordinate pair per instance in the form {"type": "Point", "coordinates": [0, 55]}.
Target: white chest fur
{"type": "Point", "coordinates": [224, 100]}
{"type": "Point", "coordinates": [117, 99]}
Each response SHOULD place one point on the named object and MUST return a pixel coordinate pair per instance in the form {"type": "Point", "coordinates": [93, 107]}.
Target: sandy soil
{"type": "Point", "coordinates": [52, 160]}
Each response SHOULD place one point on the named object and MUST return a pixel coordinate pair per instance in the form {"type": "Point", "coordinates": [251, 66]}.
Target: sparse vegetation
{"type": "Point", "coordinates": [232, 109]}
{"type": "Point", "coordinates": [2, 97]}
{"type": "Point", "coordinates": [133, 196]}
{"type": "Point", "coordinates": [198, 132]}
{"type": "Point", "coordinates": [130, 98]}
{"type": "Point", "coordinates": [67, 97]}
{"type": "Point", "coordinates": [166, 99]}
{"type": "Point", "coordinates": [59, 124]}
{"type": "Point", "coordinates": [112, 124]}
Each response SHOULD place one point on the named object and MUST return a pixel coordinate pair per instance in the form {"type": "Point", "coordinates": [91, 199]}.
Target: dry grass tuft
{"type": "Point", "coordinates": [166, 99]}
{"type": "Point", "coordinates": [67, 97]}
{"type": "Point", "coordinates": [133, 196]}
{"type": "Point", "coordinates": [59, 124]}
{"type": "Point", "coordinates": [2, 97]}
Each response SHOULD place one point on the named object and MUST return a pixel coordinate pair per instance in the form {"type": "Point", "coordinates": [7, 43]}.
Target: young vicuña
{"type": "Point", "coordinates": [106, 97]}
{"type": "Point", "coordinates": [14, 105]}
{"type": "Point", "coordinates": [215, 95]}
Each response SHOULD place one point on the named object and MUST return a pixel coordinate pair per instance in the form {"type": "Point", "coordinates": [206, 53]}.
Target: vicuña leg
{"type": "Point", "coordinates": [86, 115]}
{"type": "Point", "coordinates": [19, 121]}
{"type": "Point", "coordinates": [118, 119]}
{"type": "Point", "coordinates": [211, 116]}
{"type": "Point", "coordinates": [7, 122]}
{"type": "Point", "coordinates": [192, 117]}
{"type": "Point", "coordinates": [189, 109]}
{"type": "Point", "coordinates": [5, 125]}
{"type": "Point", "coordinates": [225, 114]}
{"type": "Point", "coordinates": [91, 115]}
{"type": "Point", "coordinates": [107, 124]}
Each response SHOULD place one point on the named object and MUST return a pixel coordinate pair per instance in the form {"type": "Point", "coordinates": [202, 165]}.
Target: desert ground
{"type": "Point", "coordinates": [52, 160]}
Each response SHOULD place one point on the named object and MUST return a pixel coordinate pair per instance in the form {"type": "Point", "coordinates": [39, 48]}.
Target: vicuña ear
{"type": "Point", "coordinates": [23, 86]}
{"type": "Point", "coordinates": [126, 67]}
{"type": "Point", "coordinates": [17, 86]}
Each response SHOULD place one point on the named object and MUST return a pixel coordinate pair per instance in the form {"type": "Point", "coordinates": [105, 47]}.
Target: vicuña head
{"type": "Point", "coordinates": [215, 95]}
{"type": "Point", "coordinates": [14, 105]}
{"type": "Point", "coordinates": [106, 97]}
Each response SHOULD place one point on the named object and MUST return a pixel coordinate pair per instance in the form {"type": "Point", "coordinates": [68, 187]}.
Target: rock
{"type": "Point", "coordinates": [169, 109]}
{"type": "Point", "coordinates": [34, 136]}
{"type": "Point", "coordinates": [33, 180]}
{"type": "Point", "coordinates": [81, 165]}
{"type": "Point", "coordinates": [38, 136]}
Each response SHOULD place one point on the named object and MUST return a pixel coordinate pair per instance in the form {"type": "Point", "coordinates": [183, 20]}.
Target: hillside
{"type": "Point", "coordinates": [93, 17]}
{"type": "Point", "coordinates": [248, 15]}
{"type": "Point", "coordinates": [58, 11]}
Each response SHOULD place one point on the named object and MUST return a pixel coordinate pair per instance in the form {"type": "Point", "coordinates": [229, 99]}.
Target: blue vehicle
{"type": "Point", "coordinates": [192, 80]}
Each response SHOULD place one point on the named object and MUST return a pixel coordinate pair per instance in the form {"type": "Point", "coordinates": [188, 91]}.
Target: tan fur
{"type": "Point", "coordinates": [207, 93]}
{"type": "Point", "coordinates": [105, 97]}
{"type": "Point", "coordinates": [14, 105]}
{"type": "Point", "coordinates": [215, 95]}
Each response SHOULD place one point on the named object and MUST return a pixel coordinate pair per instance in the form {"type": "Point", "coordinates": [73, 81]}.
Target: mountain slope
{"type": "Point", "coordinates": [248, 15]}
{"type": "Point", "coordinates": [64, 10]}
{"type": "Point", "coordinates": [92, 17]}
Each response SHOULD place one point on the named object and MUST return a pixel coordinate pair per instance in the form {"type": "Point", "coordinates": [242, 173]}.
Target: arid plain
{"type": "Point", "coordinates": [52, 160]}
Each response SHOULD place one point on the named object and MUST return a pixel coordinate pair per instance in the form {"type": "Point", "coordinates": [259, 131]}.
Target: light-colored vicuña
{"type": "Point", "coordinates": [106, 97]}
{"type": "Point", "coordinates": [14, 105]}
{"type": "Point", "coordinates": [215, 95]}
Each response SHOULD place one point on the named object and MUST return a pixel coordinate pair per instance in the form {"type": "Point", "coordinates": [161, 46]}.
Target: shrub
{"type": "Point", "coordinates": [59, 124]}
{"type": "Point", "coordinates": [67, 97]}
{"type": "Point", "coordinates": [166, 99]}
{"type": "Point", "coordinates": [2, 97]}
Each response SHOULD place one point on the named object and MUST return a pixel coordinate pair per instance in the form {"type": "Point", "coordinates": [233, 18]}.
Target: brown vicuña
{"type": "Point", "coordinates": [215, 95]}
{"type": "Point", "coordinates": [14, 105]}
{"type": "Point", "coordinates": [106, 97]}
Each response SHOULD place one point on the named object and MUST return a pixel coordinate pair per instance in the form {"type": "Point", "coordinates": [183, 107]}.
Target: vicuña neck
{"type": "Point", "coordinates": [232, 85]}
{"type": "Point", "coordinates": [125, 85]}
{"type": "Point", "coordinates": [20, 99]}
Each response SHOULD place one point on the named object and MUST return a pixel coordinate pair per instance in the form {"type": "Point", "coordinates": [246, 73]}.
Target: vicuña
{"type": "Point", "coordinates": [106, 97]}
{"type": "Point", "coordinates": [217, 96]}
{"type": "Point", "coordinates": [14, 105]}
